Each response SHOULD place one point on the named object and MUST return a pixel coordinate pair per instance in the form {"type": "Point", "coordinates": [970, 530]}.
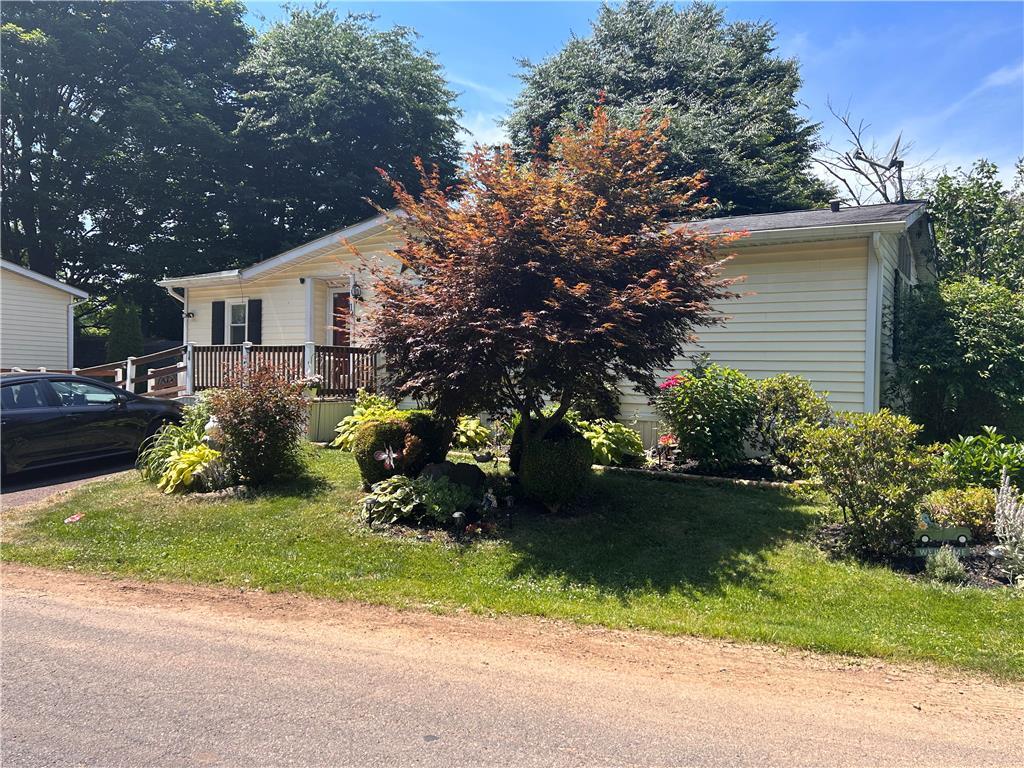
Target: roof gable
{"type": "Point", "coordinates": [47, 281]}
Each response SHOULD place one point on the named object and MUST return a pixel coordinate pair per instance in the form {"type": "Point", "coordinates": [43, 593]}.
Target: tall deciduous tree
{"type": "Point", "coordinates": [730, 100]}
{"type": "Point", "coordinates": [546, 280]}
{"type": "Point", "coordinates": [326, 102]}
{"type": "Point", "coordinates": [979, 225]}
{"type": "Point", "coordinates": [115, 123]}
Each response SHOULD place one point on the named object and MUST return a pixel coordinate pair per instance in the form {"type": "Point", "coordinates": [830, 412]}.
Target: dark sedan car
{"type": "Point", "coordinates": [51, 418]}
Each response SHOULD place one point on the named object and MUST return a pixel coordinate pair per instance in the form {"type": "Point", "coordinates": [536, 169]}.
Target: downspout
{"type": "Point", "coordinates": [873, 327]}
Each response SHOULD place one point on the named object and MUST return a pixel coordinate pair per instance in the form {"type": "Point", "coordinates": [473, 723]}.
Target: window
{"type": "Point", "coordinates": [28, 394]}
{"type": "Point", "coordinates": [78, 393]}
{"type": "Point", "coordinates": [237, 321]}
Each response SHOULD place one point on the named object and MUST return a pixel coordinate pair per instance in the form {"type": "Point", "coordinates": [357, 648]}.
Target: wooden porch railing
{"type": "Point", "coordinates": [191, 368]}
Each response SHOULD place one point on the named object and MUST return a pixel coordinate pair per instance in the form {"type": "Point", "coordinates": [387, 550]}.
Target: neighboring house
{"type": "Point", "coordinates": [37, 321]}
{"type": "Point", "coordinates": [818, 297]}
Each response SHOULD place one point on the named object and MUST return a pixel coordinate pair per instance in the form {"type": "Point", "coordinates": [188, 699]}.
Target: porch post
{"type": "Point", "coordinates": [190, 388]}
{"type": "Point", "coordinates": [309, 306]}
{"type": "Point", "coordinates": [246, 346]}
{"type": "Point", "coordinates": [309, 358]}
{"type": "Point", "coordinates": [129, 374]}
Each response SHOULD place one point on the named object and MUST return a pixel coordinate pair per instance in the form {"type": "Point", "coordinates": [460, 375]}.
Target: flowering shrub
{"type": "Point", "coordinates": [262, 417]}
{"type": "Point", "coordinates": [871, 469]}
{"type": "Point", "coordinates": [710, 409]}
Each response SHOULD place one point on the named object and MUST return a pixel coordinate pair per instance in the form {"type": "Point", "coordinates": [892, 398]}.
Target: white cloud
{"type": "Point", "coordinates": [484, 90]}
{"type": "Point", "coordinates": [482, 128]}
{"type": "Point", "coordinates": [1003, 76]}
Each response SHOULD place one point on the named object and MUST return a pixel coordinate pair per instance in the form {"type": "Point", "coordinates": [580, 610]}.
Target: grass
{"type": "Point", "coordinates": [726, 562]}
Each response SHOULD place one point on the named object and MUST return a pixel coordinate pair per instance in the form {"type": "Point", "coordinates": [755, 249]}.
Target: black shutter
{"type": "Point", "coordinates": [217, 329]}
{"type": "Point", "coordinates": [255, 315]}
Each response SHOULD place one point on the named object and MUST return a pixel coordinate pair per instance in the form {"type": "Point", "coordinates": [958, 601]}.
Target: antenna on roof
{"type": "Point", "coordinates": [893, 162]}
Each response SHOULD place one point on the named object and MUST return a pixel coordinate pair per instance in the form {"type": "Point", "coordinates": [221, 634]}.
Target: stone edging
{"type": "Point", "coordinates": [680, 477]}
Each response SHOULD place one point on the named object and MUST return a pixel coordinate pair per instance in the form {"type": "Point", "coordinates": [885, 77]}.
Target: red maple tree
{"type": "Point", "coordinates": [546, 280]}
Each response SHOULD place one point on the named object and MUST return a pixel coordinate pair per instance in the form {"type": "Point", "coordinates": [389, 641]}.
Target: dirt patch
{"type": "Point", "coordinates": [901, 695]}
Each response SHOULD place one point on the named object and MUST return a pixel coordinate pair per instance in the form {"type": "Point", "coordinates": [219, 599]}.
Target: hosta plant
{"type": "Point", "coordinates": [184, 468]}
{"type": "Point", "coordinates": [471, 434]}
{"type": "Point", "coordinates": [614, 444]}
{"type": "Point", "coordinates": [415, 500]}
{"type": "Point", "coordinates": [369, 407]}
{"type": "Point", "coordinates": [158, 448]}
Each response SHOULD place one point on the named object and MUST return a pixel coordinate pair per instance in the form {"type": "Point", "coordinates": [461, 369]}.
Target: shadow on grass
{"type": "Point", "coordinates": [632, 536]}
{"type": "Point", "coordinates": [301, 486]}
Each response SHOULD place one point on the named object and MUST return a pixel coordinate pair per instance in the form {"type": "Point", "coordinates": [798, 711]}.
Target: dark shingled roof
{"type": "Point", "coordinates": [823, 217]}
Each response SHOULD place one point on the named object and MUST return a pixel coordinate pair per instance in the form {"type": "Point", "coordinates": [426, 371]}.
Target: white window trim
{"type": "Point", "coordinates": [332, 291]}
{"type": "Point", "coordinates": [228, 304]}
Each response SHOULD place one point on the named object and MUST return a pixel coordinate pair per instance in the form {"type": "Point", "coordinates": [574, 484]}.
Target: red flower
{"type": "Point", "coordinates": [671, 381]}
{"type": "Point", "coordinates": [667, 440]}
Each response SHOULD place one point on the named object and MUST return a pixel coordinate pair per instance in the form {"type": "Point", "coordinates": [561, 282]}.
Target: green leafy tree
{"type": "Point", "coordinates": [124, 322]}
{"type": "Point", "coordinates": [979, 225]}
{"type": "Point", "coordinates": [961, 365]}
{"type": "Point", "coordinates": [116, 121]}
{"type": "Point", "coordinates": [731, 102]}
{"type": "Point", "coordinates": [326, 102]}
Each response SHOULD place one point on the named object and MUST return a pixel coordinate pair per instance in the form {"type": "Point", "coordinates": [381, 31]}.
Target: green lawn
{"type": "Point", "coordinates": [670, 557]}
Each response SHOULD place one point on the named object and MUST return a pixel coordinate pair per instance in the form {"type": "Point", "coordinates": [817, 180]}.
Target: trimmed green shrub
{"type": "Point", "coordinates": [614, 444]}
{"type": "Point", "coordinates": [979, 459]}
{"type": "Point", "coordinates": [415, 500]}
{"type": "Point", "coordinates": [787, 407]}
{"type": "Point", "coordinates": [944, 565]}
{"type": "Point", "coordinates": [381, 449]}
{"type": "Point", "coordinates": [554, 471]}
{"type": "Point", "coordinates": [710, 410]}
{"type": "Point", "coordinates": [873, 472]}
{"type": "Point", "coordinates": [368, 407]}
{"type": "Point", "coordinates": [973, 508]}
{"type": "Point", "coordinates": [403, 443]}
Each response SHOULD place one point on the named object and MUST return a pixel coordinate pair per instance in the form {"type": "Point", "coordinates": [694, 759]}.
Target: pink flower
{"type": "Point", "coordinates": [671, 381]}
{"type": "Point", "coordinates": [667, 440]}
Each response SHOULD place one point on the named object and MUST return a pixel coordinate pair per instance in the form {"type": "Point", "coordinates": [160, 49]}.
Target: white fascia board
{"type": "Point", "coordinates": [49, 281]}
{"type": "Point", "coordinates": [810, 234]}
{"type": "Point", "coordinates": [210, 277]}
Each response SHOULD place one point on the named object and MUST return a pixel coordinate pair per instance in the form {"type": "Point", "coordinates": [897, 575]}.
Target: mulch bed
{"type": "Point", "coordinates": [983, 570]}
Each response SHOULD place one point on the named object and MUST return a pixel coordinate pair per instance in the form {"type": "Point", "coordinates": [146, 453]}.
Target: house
{"type": "Point", "coordinates": [37, 321]}
{"type": "Point", "coordinates": [819, 297]}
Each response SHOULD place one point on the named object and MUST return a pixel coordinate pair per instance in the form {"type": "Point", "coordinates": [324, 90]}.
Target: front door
{"type": "Point", "coordinates": [341, 320]}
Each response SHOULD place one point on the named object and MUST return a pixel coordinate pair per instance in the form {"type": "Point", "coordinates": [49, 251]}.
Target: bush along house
{"type": "Point", "coordinates": [820, 298]}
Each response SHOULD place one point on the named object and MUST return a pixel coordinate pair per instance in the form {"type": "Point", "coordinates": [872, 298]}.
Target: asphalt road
{"type": "Point", "coordinates": [105, 672]}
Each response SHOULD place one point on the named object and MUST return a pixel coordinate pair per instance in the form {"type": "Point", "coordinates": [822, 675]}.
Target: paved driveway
{"type": "Point", "coordinates": [27, 487]}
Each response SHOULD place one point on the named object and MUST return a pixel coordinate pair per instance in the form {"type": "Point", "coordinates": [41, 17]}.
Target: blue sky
{"type": "Point", "coordinates": [949, 75]}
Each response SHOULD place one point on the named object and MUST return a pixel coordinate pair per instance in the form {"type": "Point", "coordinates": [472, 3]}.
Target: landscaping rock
{"type": "Point", "coordinates": [468, 475]}
{"type": "Point", "coordinates": [225, 494]}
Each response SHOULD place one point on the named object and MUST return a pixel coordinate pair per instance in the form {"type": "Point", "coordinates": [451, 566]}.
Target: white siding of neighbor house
{"type": "Point", "coordinates": [803, 311]}
{"type": "Point", "coordinates": [33, 323]}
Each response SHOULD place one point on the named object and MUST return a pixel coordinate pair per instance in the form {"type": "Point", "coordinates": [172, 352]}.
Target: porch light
{"type": "Point", "coordinates": [357, 292]}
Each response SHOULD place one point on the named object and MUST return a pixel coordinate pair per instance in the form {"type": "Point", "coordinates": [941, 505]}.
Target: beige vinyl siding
{"type": "Point", "coordinates": [33, 323]}
{"type": "Point", "coordinates": [284, 296]}
{"type": "Point", "coordinates": [803, 311]}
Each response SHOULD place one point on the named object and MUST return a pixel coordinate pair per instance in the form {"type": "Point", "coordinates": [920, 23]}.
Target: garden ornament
{"type": "Point", "coordinates": [388, 456]}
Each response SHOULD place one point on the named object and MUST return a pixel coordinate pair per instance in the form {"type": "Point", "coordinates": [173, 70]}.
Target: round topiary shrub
{"type": "Point", "coordinates": [373, 441]}
{"type": "Point", "coordinates": [554, 471]}
{"type": "Point", "coordinates": [415, 439]}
